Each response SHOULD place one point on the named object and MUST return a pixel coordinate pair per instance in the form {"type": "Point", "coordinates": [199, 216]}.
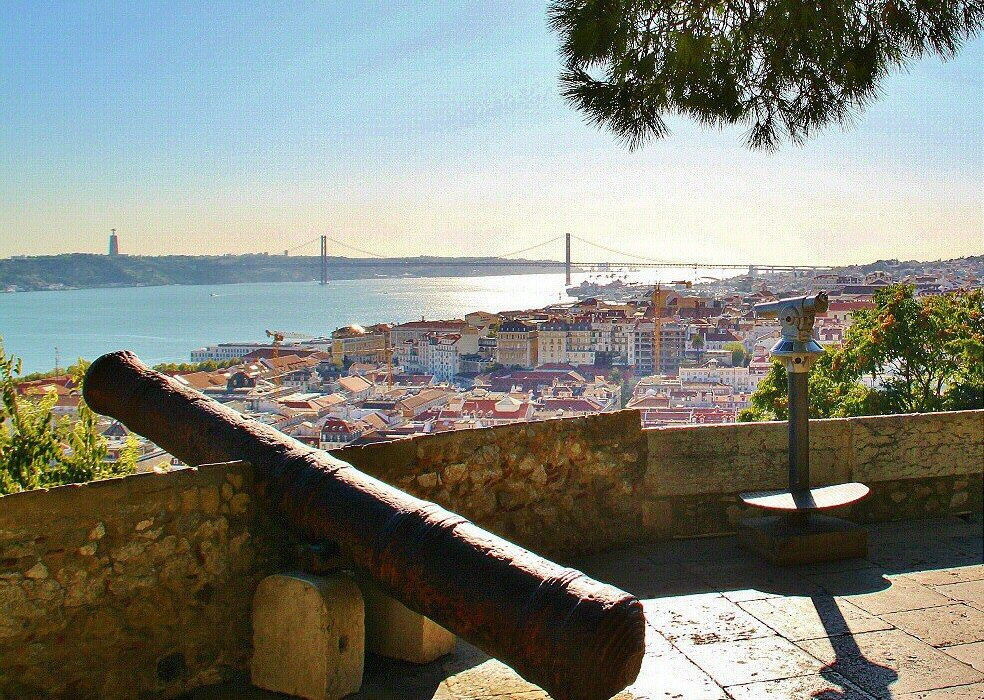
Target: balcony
{"type": "Point", "coordinates": [142, 586]}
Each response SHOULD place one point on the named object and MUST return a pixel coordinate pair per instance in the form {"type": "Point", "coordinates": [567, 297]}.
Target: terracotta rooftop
{"type": "Point", "coordinates": [906, 623]}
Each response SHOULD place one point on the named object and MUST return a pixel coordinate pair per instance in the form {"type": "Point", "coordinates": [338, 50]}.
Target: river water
{"type": "Point", "coordinates": [164, 324]}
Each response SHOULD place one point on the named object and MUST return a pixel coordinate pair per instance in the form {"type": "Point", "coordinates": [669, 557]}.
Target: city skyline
{"type": "Point", "coordinates": [194, 131]}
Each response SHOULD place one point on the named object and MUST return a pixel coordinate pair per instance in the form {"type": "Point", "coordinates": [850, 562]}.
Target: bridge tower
{"type": "Point", "coordinates": [324, 260]}
{"type": "Point", "coordinates": [567, 258]}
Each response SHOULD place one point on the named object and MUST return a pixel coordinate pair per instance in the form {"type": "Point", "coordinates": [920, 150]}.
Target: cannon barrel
{"type": "Point", "coordinates": [576, 638]}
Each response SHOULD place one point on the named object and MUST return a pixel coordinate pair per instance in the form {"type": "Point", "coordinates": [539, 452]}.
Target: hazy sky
{"type": "Point", "coordinates": [434, 127]}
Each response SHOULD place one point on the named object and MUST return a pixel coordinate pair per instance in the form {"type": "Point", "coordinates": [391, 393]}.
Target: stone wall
{"type": "Point", "coordinates": [568, 486]}
{"type": "Point", "coordinates": [132, 587]}
{"type": "Point", "coordinates": [142, 586]}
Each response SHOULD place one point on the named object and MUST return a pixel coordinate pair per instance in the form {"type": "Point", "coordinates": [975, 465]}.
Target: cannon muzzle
{"type": "Point", "coordinates": [576, 638]}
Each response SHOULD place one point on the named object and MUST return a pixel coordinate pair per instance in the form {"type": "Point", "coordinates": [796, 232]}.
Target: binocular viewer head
{"type": "Point", "coordinates": [796, 315]}
{"type": "Point", "coordinates": [794, 307]}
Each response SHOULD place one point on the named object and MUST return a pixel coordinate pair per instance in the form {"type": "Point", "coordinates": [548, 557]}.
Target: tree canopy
{"type": "Point", "coordinates": [186, 367]}
{"type": "Point", "coordinates": [924, 354]}
{"type": "Point", "coordinates": [39, 449]}
{"type": "Point", "coordinates": [784, 68]}
{"type": "Point", "coordinates": [739, 356]}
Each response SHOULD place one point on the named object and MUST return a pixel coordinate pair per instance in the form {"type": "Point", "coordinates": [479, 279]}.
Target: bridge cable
{"type": "Point", "coordinates": [302, 245]}
{"type": "Point", "coordinates": [532, 247]}
{"type": "Point", "coordinates": [626, 254]}
{"type": "Point", "coordinates": [355, 248]}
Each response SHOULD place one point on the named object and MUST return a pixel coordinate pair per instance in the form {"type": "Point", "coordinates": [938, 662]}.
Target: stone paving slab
{"type": "Point", "coordinates": [750, 660]}
{"type": "Point", "coordinates": [388, 679]}
{"type": "Point", "coordinates": [472, 675]}
{"type": "Point", "coordinates": [640, 575]}
{"type": "Point", "coordinates": [699, 554]}
{"type": "Point", "coordinates": [971, 654]}
{"type": "Point", "coordinates": [797, 619]}
{"type": "Point", "coordinates": [974, 691]}
{"type": "Point", "coordinates": [729, 620]}
{"type": "Point", "coordinates": [954, 574]}
{"type": "Point", "coordinates": [928, 551]}
{"type": "Point", "coordinates": [702, 619]}
{"type": "Point", "coordinates": [753, 579]}
{"type": "Point", "coordinates": [878, 595]}
{"type": "Point", "coordinates": [889, 663]}
{"type": "Point", "coordinates": [829, 686]}
{"type": "Point", "coordinates": [969, 592]}
{"type": "Point", "coordinates": [671, 676]}
{"type": "Point", "coordinates": [819, 569]}
{"type": "Point", "coordinates": [942, 626]}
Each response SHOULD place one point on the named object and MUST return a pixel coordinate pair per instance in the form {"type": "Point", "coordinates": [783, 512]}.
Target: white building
{"type": "Point", "coordinates": [230, 351]}
{"type": "Point", "coordinates": [441, 356]}
{"type": "Point", "coordinates": [713, 372]}
{"type": "Point", "coordinates": [718, 339]}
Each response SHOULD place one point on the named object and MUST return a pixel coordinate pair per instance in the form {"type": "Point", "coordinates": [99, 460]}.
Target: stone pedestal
{"type": "Point", "coordinates": [395, 631]}
{"type": "Point", "coordinates": [308, 636]}
{"type": "Point", "coordinates": [803, 539]}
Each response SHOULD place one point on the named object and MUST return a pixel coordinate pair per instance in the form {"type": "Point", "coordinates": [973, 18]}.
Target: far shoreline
{"type": "Point", "coordinates": [312, 281]}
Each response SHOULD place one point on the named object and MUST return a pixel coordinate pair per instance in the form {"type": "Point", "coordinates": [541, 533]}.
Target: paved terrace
{"type": "Point", "coordinates": [906, 623]}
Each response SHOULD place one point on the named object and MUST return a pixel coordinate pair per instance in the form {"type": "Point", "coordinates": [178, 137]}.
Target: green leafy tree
{"type": "Point", "coordinates": [698, 344]}
{"type": "Point", "coordinates": [38, 449]}
{"type": "Point", "coordinates": [28, 443]}
{"type": "Point", "coordinates": [739, 355]}
{"type": "Point", "coordinates": [784, 68]}
{"type": "Point", "coordinates": [928, 355]}
{"type": "Point", "coordinates": [927, 351]}
{"type": "Point", "coordinates": [833, 393]}
{"type": "Point", "coordinates": [770, 400]}
{"type": "Point", "coordinates": [206, 366]}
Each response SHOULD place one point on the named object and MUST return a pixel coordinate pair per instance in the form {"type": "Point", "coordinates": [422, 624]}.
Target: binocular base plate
{"type": "Point", "coordinates": [807, 538]}
{"type": "Point", "coordinates": [819, 498]}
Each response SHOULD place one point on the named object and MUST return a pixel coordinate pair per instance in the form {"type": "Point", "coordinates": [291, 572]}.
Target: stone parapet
{"type": "Point", "coordinates": [568, 486]}
{"type": "Point", "coordinates": [132, 587]}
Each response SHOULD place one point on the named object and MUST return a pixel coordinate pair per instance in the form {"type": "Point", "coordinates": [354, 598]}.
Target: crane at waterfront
{"type": "Point", "coordinates": [278, 338]}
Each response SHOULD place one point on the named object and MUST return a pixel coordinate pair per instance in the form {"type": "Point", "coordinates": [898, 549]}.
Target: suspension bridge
{"type": "Point", "coordinates": [626, 261]}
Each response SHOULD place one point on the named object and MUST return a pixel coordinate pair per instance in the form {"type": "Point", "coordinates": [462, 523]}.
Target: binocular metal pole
{"type": "Point", "coordinates": [799, 433]}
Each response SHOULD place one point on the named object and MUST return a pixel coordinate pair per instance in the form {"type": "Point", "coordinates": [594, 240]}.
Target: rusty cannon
{"type": "Point", "coordinates": [576, 638]}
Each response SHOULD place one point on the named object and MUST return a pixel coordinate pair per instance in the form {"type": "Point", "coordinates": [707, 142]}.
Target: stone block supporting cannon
{"type": "Point", "coordinates": [575, 637]}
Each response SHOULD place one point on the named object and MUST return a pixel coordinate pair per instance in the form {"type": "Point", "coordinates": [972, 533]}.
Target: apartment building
{"type": "Point", "coordinates": [552, 343]}
{"type": "Point", "coordinates": [517, 344]}
{"type": "Point", "coordinates": [642, 346]}
{"type": "Point", "coordinates": [719, 338]}
{"type": "Point", "coordinates": [223, 352]}
{"type": "Point", "coordinates": [442, 356]}
{"type": "Point", "coordinates": [358, 344]}
{"type": "Point", "coordinates": [419, 330]}
{"type": "Point", "coordinates": [673, 347]}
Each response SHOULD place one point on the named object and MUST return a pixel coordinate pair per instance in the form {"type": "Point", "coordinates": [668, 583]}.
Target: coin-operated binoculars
{"type": "Point", "coordinates": [798, 534]}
